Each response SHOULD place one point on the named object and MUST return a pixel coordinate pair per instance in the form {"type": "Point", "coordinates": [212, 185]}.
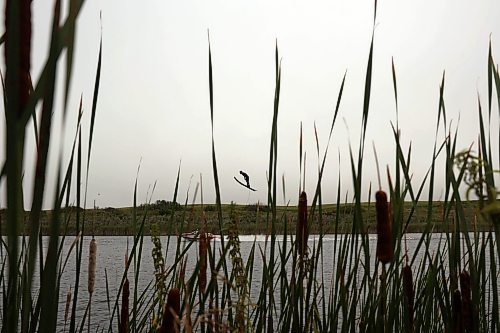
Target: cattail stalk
{"type": "Point", "coordinates": [188, 325]}
{"type": "Point", "coordinates": [467, 318]}
{"type": "Point", "coordinates": [385, 252]}
{"type": "Point", "coordinates": [66, 310]}
{"type": "Point", "coordinates": [302, 232]}
{"type": "Point", "coordinates": [409, 297]}
{"type": "Point", "coordinates": [381, 315]}
{"type": "Point", "coordinates": [170, 321]}
{"type": "Point", "coordinates": [125, 307]}
{"type": "Point", "coordinates": [92, 263]}
{"type": "Point", "coordinates": [457, 312]}
{"type": "Point", "coordinates": [91, 280]}
{"type": "Point", "coordinates": [17, 54]}
{"type": "Point", "coordinates": [301, 235]}
{"type": "Point", "coordinates": [202, 275]}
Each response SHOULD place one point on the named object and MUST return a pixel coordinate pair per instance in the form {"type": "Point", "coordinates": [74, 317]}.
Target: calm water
{"type": "Point", "coordinates": [111, 252]}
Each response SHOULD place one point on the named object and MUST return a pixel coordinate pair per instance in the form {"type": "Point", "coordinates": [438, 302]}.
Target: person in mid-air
{"type": "Point", "coordinates": [247, 179]}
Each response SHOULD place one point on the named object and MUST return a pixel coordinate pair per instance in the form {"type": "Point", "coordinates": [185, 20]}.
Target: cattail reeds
{"type": "Point", "coordinates": [170, 320]}
{"type": "Point", "coordinates": [92, 263]}
{"type": "Point", "coordinates": [467, 318]}
{"type": "Point", "coordinates": [409, 296]}
{"type": "Point", "coordinates": [382, 307]}
{"type": "Point", "coordinates": [123, 326]}
{"type": "Point", "coordinates": [91, 280]}
{"type": "Point", "coordinates": [125, 306]}
{"type": "Point", "coordinates": [188, 325]}
{"type": "Point", "coordinates": [302, 232]}
{"type": "Point", "coordinates": [457, 312]}
{"type": "Point", "coordinates": [66, 310]}
{"type": "Point", "coordinates": [202, 275]}
{"type": "Point", "coordinates": [385, 251]}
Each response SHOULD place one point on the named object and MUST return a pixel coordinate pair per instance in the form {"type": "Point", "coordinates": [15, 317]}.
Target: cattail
{"type": "Point", "coordinates": [66, 310]}
{"type": "Point", "coordinates": [92, 262]}
{"type": "Point", "coordinates": [202, 275]}
{"type": "Point", "coordinates": [409, 296]}
{"type": "Point", "coordinates": [188, 325]}
{"type": "Point", "coordinates": [385, 252]}
{"type": "Point", "coordinates": [382, 308]}
{"type": "Point", "coordinates": [170, 321]}
{"type": "Point", "coordinates": [68, 302]}
{"type": "Point", "coordinates": [457, 312]}
{"type": "Point", "coordinates": [124, 311]}
{"type": "Point", "coordinates": [302, 232]}
{"type": "Point", "coordinates": [91, 281]}
{"type": "Point", "coordinates": [467, 318]}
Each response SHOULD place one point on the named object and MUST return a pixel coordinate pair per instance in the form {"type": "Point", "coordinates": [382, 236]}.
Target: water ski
{"type": "Point", "coordinates": [244, 185]}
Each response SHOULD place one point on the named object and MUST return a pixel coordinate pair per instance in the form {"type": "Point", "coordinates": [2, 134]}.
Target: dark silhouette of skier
{"type": "Point", "coordinates": [247, 179]}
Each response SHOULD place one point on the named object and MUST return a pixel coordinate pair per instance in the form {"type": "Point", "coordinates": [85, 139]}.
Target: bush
{"type": "Point", "coordinates": [166, 207]}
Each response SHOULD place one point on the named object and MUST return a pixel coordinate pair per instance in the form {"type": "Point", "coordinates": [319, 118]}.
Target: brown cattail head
{"type": "Point", "coordinates": [302, 232]}
{"type": "Point", "coordinates": [92, 262]}
{"type": "Point", "coordinates": [457, 312]}
{"type": "Point", "coordinates": [385, 252]}
{"type": "Point", "coordinates": [409, 295]}
{"type": "Point", "coordinates": [170, 321]}
{"type": "Point", "coordinates": [202, 275]}
{"type": "Point", "coordinates": [124, 311]}
{"type": "Point", "coordinates": [188, 324]}
{"type": "Point", "coordinates": [467, 318]}
{"type": "Point", "coordinates": [68, 302]}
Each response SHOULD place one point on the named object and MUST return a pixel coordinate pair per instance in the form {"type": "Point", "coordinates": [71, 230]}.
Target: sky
{"type": "Point", "coordinates": [153, 109]}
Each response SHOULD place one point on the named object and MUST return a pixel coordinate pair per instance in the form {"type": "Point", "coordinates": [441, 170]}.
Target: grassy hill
{"type": "Point", "coordinates": [252, 219]}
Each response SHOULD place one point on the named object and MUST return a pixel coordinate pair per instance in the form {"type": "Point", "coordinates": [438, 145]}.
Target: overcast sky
{"type": "Point", "coordinates": [153, 106]}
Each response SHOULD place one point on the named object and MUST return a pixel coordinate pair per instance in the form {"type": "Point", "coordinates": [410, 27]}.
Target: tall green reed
{"type": "Point", "coordinates": [20, 310]}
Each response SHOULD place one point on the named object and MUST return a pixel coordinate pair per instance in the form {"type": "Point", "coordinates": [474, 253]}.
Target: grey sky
{"type": "Point", "coordinates": [154, 104]}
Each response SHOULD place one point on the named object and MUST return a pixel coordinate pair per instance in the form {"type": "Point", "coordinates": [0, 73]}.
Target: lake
{"type": "Point", "coordinates": [111, 252]}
